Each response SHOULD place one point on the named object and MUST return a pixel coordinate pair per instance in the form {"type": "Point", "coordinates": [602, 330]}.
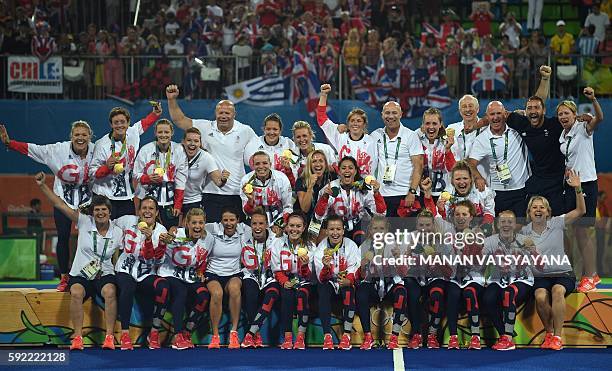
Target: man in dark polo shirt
{"type": "Point", "coordinates": [541, 135]}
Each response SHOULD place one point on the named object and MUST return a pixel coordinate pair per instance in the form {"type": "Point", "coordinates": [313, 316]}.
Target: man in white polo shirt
{"type": "Point", "coordinates": [400, 160]}
{"type": "Point", "coordinates": [503, 154]}
{"type": "Point", "coordinates": [226, 139]}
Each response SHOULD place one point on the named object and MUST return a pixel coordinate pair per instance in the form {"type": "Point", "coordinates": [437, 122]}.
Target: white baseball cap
{"type": "Point", "coordinates": [560, 23]}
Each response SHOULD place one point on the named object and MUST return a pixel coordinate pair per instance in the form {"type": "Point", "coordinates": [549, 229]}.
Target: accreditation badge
{"type": "Point", "coordinates": [314, 227]}
{"type": "Point", "coordinates": [503, 173]}
{"type": "Point", "coordinates": [389, 174]}
{"type": "Point", "coordinates": [92, 269]}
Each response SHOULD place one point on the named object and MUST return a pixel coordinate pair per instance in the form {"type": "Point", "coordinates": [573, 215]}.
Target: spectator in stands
{"type": "Point", "coordinates": [587, 43]}
{"type": "Point", "coordinates": [309, 27]}
{"type": "Point", "coordinates": [539, 52]}
{"type": "Point", "coordinates": [562, 44]}
{"type": "Point", "coordinates": [606, 47]}
{"type": "Point", "coordinates": [598, 19]}
{"type": "Point", "coordinates": [132, 43]}
{"type": "Point", "coordinates": [351, 52]}
{"type": "Point", "coordinates": [395, 21]}
{"type": "Point", "coordinates": [509, 52]}
{"type": "Point", "coordinates": [512, 29]}
{"type": "Point", "coordinates": [174, 49]}
{"type": "Point", "coordinates": [391, 54]}
{"type": "Point", "coordinates": [482, 17]}
{"type": "Point", "coordinates": [523, 67]}
{"type": "Point", "coordinates": [371, 49]}
{"type": "Point", "coordinates": [449, 27]}
{"type": "Point", "coordinates": [243, 51]}
{"type": "Point", "coordinates": [228, 31]}
{"type": "Point", "coordinates": [469, 47]}
{"type": "Point", "coordinates": [269, 12]}
{"type": "Point", "coordinates": [348, 23]}
{"type": "Point", "coordinates": [287, 30]}
{"type": "Point", "coordinates": [171, 27]}
{"type": "Point", "coordinates": [452, 54]}
{"type": "Point", "coordinates": [43, 44]}
{"type": "Point", "coordinates": [430, 49]}
{"type": "Point", "coordinates": [102, 50]}
{"type": "Point", "coordinates": [534, 14]}
{"type": "Point", "coordinates": [265, 37]}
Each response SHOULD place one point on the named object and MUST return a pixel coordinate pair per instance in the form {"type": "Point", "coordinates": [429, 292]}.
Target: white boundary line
{"type": "Point", "coordinates": [398, 360]}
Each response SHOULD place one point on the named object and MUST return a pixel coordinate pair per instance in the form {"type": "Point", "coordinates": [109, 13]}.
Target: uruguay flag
{"type": "Point", "coordinates": [489, 73]}
{"type": "Point", "coordinates": [261, 91]}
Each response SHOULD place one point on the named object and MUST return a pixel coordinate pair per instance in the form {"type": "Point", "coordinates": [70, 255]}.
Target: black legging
{"type": "Point", "coordinates": [326, 294]}
{"type": "Point", "coordinates": [367, 295]}
{"type": "Point", "coordinates": [467, 297]}
{"type": "Point", "coordinates": [500, 305]}
{"type": "Point", "coordinates": [436, 293]}
{"type": "Point", "coordinates": [414, 291]}
{"type": "Point", "coordinates": [178, 292]}
{"type": "Point", "coordinates": [294, 300]}
{"type": "Point", "coordinates": [154, 286]}
{"type": "Point", "coordinates": [271, 294]}
{"type": "Point", "coordinates": [250, 298]}
{"type": "Point", "coordinates": [63, 225]}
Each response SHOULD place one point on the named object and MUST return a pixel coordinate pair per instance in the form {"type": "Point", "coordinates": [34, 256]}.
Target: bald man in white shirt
{"type": "Point", "coordinates": [226, 139]}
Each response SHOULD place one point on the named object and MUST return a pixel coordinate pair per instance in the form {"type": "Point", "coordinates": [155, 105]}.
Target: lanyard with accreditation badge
{"type": "Point", "coordinates": [93, 268]}
{"type": "Point", "coordinates": [389, 174]}
{"type": "Point", "coordinates": [503, 171]}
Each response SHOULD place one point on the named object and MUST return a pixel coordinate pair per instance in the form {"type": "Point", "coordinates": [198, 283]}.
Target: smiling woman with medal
{"type": "Point", "coordinates": [69, 161]}
{"type": "Point", "coordinates": [576, 143]}
{"type": "Point", "coordinates": [438, 158]}
{"type": "Point", "coordinates": [183, 266]}
{"type": "Point", "coordinates": [508, 284]}
{"type": "Point", "coordinates": [356, 142]}
{"type": "Point", "coordinates": [315, 176]}
{"type": "Point", "coordinates": [114, 156]}
{"type": "Point", "coordinates": [141, 254]}
{"type": "Point", "coordinates": [266, 188]}
{"type": "Point", "coordinates": [336, 261]}
{"type": "Point", "coordinates": [291, 260]}
{"type": "Point", "coordinates": [349, 196]}
{"type": "Point", "coordinates": [462, 189]}
{"type": "Point", "coordinates": [161, 171]}
{"type": "Point", "coordinates": [92, 270]}
{"type": "Point", "coordinates": [303, 137]}
{"type": "Point", "coordinates": [258, 282]}
{"type": "Point", "coordinates": [373, 285]}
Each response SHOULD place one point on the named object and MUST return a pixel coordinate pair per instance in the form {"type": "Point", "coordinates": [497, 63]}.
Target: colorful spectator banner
{"type": "Point", "coordinates": [489, 73]}
{"type": "Point", "coordinates": [30, 75]}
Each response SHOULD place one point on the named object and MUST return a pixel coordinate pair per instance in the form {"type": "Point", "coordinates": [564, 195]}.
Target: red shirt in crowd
{"type": "Point", "coordinates": [482, 23]}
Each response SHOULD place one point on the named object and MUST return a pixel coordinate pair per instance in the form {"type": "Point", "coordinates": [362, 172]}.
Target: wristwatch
{"type": "Point", "coordinates": [412, 190]}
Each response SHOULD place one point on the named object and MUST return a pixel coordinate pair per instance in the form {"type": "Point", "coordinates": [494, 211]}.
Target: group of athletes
{"type": "Point", "coordinates": [186, 225]}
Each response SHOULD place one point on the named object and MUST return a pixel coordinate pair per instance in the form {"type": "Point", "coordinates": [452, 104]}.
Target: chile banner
{"type": "Point", "coordinates": [30, 75]}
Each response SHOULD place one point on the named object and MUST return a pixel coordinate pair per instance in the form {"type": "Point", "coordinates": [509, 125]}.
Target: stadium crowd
{"type": "Point", "coordinates": [261, 36]}
{"type": "Point", "coordinates": [187, 225]}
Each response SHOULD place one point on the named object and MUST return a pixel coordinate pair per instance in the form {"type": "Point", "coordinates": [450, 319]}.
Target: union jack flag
{"type": "Point", "coordinates": [489, 73]}
{"type": "Point", "coordinates": [370, 85]}
{"type": "Point", "coordinates": [305, 83]}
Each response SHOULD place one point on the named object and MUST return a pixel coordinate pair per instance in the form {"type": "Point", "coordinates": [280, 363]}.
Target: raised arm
{"type": "Point", "coordinates": [544, 87]}
{"type": "Point", "coordinates": [56, 201]}
{"type": "Point", "coordinates": [574, 181]}
{"type": "Point", "coordinates": [177, 115]}
{"type": "Point", "coordinates": [592, 125]}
